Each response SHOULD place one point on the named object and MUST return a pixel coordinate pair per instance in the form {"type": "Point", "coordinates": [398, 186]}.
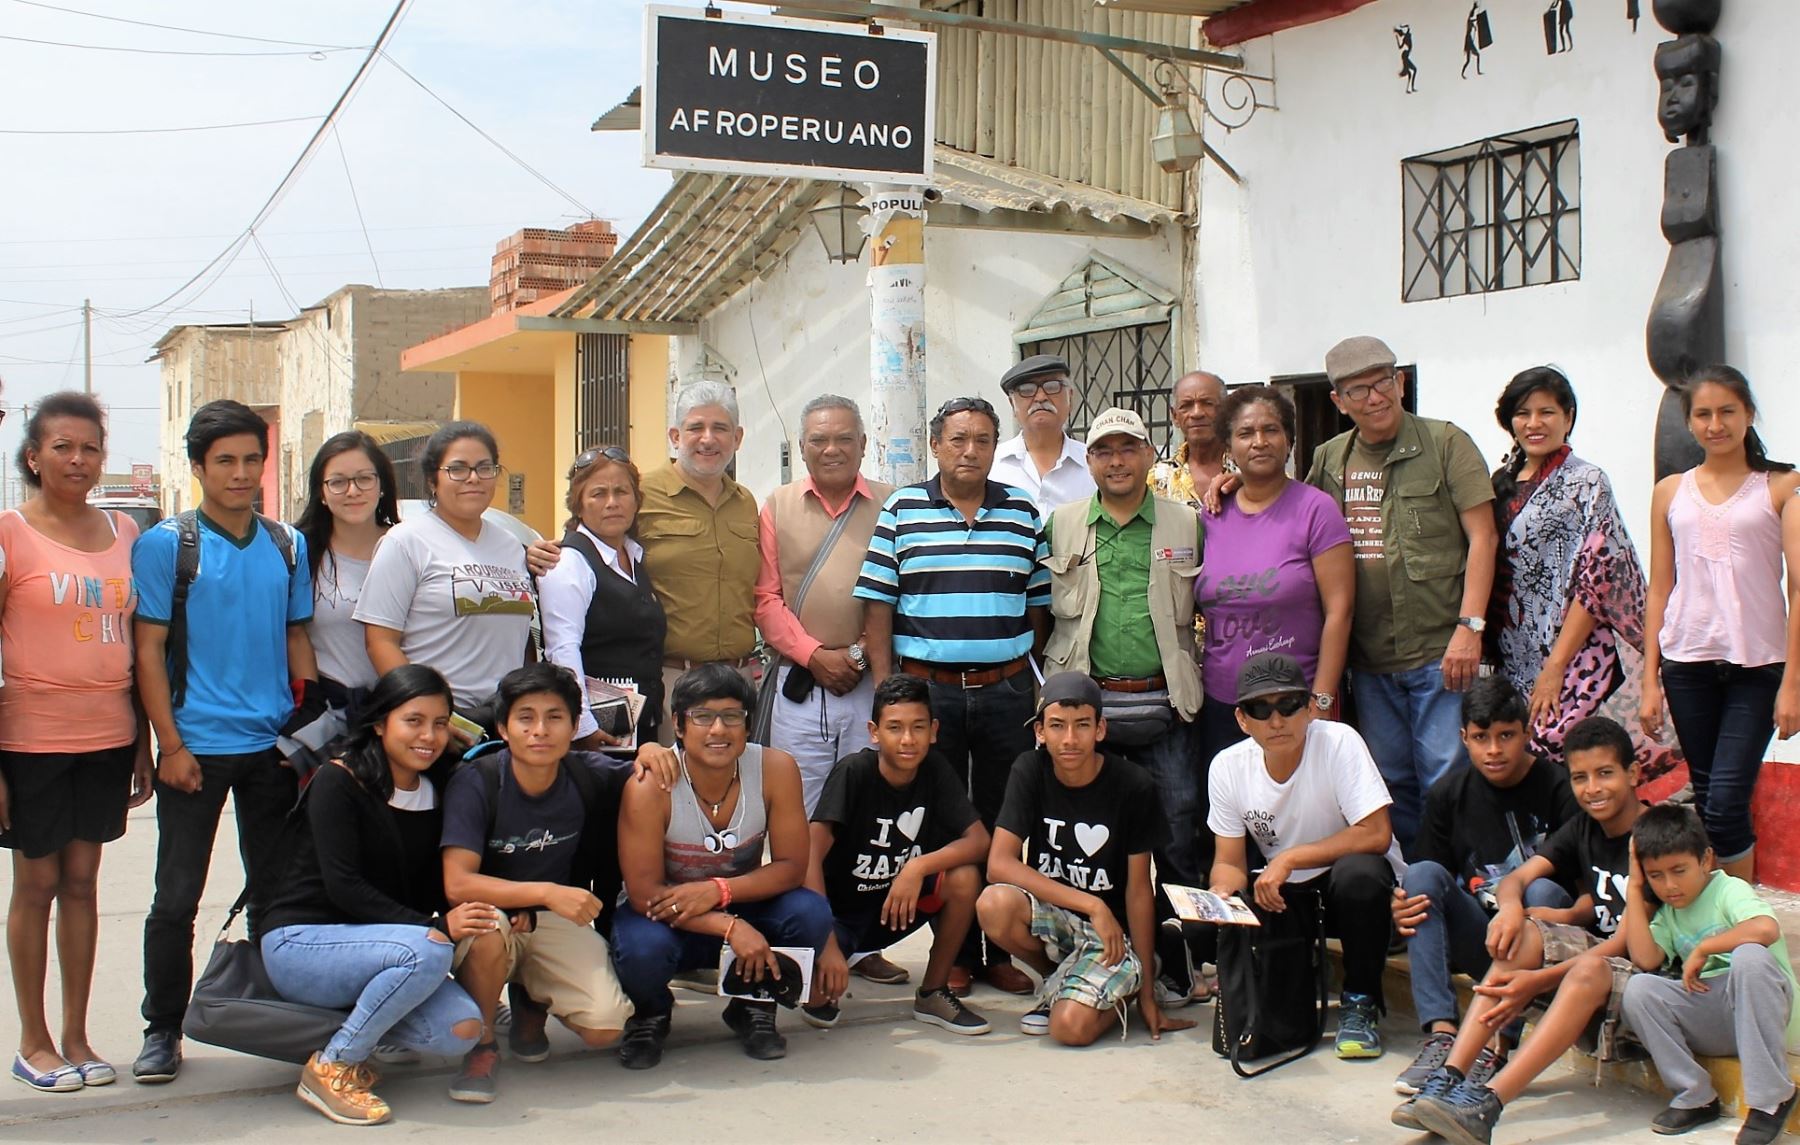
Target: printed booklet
{"type": "Point", "coordinates": [1195, 905]}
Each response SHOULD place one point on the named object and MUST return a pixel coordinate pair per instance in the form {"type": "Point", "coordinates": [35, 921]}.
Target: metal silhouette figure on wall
{"type": "Point", "coordinates": [1409, 71]}
{"type": "Point", "coordinates": [1557, 18]}
{"type": "Point", "coordinates": [1687, 318]}
{"type": "Point", "coordinates": [1478, 36]}
{"type": "Point", "coordinates": [1632, 13]}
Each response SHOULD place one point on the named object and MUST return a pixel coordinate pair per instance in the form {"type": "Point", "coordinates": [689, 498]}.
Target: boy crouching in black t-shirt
{"type": "Point", "coordinates": [896, 844]}
{"type": "Point", "coordinates": [1086, 824]}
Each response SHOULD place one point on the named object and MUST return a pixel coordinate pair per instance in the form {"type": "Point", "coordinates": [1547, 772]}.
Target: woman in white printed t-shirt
{"type": "Point", "coordinates": [449, 589]}
{"type": "Point", "coordinates": [1308, 793]}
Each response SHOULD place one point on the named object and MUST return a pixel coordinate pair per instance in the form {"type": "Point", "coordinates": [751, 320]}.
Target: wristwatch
{"type": "Point", "coordinates": [1474, 624]}
{"type": "Point", "coordinates": [1324, 701]}
{"type": "Point", "coordinates": [857, 657]}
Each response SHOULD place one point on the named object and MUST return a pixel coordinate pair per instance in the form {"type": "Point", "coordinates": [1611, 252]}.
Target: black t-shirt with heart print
{"type": "Point", "coordinates": [1084, 837]}
{"type": "Point", "coordinates": [879, 828]}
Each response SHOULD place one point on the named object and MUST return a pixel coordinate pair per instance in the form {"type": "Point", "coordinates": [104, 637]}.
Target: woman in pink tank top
{"type": "Point", "coordinates": [1722, 633]}
{"type": "Point", "coordinates": [73, 752]}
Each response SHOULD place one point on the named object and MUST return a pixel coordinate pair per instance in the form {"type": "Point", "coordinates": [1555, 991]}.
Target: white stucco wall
{"type": "Point", "coordinates": [811, 326]}
{"type": "Point", "coordinates": [1309, 249]}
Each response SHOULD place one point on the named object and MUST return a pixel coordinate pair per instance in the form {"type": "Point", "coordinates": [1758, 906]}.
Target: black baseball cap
{"type": "Point", "coordinates": [1072, 689]}
{"type": "Point", "coordinates": [1270, 674]}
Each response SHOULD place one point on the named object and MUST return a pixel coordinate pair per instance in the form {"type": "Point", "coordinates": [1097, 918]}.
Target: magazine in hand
{"type": "Point", "coordinates": [616, 706]}
{"type": "Point", "coordinates": [1195, 905]}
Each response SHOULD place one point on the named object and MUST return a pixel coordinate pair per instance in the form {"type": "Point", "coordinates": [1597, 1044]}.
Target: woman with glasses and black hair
{"type": "Point", "coordinates": [350, 506]}
{"type": "Point", "coordinates": [450, 589]}
{"type": "Point", "coordinates": [601, 616]}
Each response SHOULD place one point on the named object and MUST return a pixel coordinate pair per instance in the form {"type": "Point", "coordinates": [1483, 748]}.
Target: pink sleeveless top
{"type": "Point", "coordinates": [66, 635]}
{"type": "Point", "coordinates": [1727, 603]}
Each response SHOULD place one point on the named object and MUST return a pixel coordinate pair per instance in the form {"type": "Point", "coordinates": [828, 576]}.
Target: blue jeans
{"type": "Point", "coordinates": [396, 978]}
{"type": "Point", "coordinates": [1413, 726]}
{"type": "Point", "coordinates": [1724, 716]}
{"type": "Point", "coordinates": [647, 953]}
{"type": "Point", "coordinates": [1180, 786]}
{"type": "Point", "coordinates": [1453, 937]}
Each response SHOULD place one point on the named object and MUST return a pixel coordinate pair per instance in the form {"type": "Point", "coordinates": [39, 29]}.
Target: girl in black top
{"type": "Point", "coordinates": [358, 921]}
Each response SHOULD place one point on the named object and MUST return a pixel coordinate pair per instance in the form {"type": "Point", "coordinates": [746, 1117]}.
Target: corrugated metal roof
{"type": "Point", "coordinates": [1176, 7]}
{"type": "Point", "coordinates": [711, 235]}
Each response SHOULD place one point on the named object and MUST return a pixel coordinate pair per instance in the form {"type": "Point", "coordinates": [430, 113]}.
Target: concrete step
{"type": "Point", "coordinates": [1727, 1076]}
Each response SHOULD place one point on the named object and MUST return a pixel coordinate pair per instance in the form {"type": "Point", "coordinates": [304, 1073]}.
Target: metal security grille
{"type": "Point", "coordinates": [1493, 215]}
{"type": "Point", "coordinates": [1127, 366]}
{"type": "Point", "coordinates": [602, 391]}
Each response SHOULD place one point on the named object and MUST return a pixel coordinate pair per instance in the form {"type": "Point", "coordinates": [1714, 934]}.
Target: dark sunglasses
{"type": "Point", "coordinates": [963, 405]}
{"type": "Point", "coordinates": [588, 457]}
{"type": "Point", "coordinates": [1263, 707]}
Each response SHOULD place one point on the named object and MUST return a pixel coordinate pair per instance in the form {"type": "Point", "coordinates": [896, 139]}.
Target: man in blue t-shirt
{"type": "Point", "coordinates": [247, 657]}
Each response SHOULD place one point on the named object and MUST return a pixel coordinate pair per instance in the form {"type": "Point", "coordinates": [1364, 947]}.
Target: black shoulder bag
{"type": "Point", "coordinates": [1273, 986]}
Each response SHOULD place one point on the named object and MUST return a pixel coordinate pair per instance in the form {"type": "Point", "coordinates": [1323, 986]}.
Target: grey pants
{"type": "Point", "coordinates": [1744, 1013]}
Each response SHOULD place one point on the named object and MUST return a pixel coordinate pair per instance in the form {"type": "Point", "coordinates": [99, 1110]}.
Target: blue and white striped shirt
{"type": "Point", "coordinates": [959, 588]}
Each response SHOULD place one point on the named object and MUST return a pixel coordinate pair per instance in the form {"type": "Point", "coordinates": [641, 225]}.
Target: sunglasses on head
{"type": "Point", "coordinates": [588, 457]}
{"type": "Point", "coordinates": [1263, 707]}
{"type": "Point", "coordinates": [963, 405]}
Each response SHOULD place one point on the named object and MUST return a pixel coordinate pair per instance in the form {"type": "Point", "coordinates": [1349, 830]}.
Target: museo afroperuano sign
{"type": "Point", "coordinates": [766, 95]}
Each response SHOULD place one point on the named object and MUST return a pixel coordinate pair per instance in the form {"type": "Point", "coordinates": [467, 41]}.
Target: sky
{"type": "Point", "coordinates": [124, 219]}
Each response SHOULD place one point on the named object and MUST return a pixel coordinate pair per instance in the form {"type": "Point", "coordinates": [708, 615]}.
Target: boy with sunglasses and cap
{"type": "Point", "coordinates": [1043, 459]}
{"type": "Point", "coordinates": [1307, 793]}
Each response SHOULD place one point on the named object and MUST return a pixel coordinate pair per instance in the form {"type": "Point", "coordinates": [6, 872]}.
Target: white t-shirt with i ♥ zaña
{"type": "Point", "coordinates": [1336, 784]}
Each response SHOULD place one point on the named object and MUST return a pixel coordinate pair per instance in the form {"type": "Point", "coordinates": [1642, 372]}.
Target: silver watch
{"type": "Point", "coordinates": [857, 657]}
{"type": "Point", "coordinates": [1324, 701]}
{"type": "Point", "coordinates": [1474, 624]}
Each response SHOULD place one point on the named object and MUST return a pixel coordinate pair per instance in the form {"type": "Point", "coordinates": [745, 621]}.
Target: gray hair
{"type": "Point", "coordinates": [832, 401]}
{"type": "Point", "coordinates": [700, 394]}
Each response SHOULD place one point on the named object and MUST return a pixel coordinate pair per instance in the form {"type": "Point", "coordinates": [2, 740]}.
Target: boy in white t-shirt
{"type": "Point", "coordinates": [1308, 794]}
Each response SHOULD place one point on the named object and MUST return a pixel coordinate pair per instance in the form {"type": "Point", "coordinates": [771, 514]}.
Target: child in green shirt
{"type": "Point", "coordinates": [1735, 992]}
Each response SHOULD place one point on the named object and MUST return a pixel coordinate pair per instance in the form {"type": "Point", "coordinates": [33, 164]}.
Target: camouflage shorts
{"type": "Point", "coordinates": [1564, 943]}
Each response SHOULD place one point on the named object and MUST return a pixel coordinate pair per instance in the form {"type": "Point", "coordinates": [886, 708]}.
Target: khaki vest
{"type": "Point", "coordinates": [829, 614]}
{"type": "Point", "coordinates": [1075, 595]}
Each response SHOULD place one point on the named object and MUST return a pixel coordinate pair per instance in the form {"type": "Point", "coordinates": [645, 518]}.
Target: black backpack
{"type": "Point", "coordinates": [1273, 985]}
{"type": "Point", "coordinates": [187, 568]}
{"type": "Point", "coordinates": [599, 831]}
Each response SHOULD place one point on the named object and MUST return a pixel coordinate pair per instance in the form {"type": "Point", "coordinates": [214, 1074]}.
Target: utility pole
{"type": "Point", "coordinates": [897, 332]}
{"type": "Point", "coordinates": [87, 345]}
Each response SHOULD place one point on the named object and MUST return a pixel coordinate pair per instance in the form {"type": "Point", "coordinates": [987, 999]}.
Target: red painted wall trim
{"type": "Point", "coordinates": [1268, 16]}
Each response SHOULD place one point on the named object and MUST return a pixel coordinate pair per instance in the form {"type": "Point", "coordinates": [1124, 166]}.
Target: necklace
{"type": "Point", "coordinates": [715, 804]}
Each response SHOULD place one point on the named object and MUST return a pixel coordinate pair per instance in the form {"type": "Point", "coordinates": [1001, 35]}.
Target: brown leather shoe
{"type": "Point", "coordinates": [1006, 977]}
{"type": "Point", "coordinates": [962, 982]}
{"type": "Point", "coordinates": [876, 968]}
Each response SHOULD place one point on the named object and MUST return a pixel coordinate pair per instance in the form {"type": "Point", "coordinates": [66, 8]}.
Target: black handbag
{"type": "Point", "coordinates": [1273, 986]}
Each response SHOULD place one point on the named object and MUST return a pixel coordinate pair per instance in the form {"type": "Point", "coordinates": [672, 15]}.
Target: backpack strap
{"type": "Point", "coordinates": [187, 568]}
{"type": "Point", "coordinates": [284, 541]}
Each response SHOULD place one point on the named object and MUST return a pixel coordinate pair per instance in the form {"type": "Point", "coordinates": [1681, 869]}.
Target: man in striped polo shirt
{"type": "Point", "coordinates": [957, 594]}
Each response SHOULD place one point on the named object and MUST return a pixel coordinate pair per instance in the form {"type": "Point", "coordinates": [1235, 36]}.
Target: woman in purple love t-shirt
{"type": "Point", "coordinates": [1277, 574]}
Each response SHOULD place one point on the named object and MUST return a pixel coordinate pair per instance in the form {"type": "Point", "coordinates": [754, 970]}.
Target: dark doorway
{"type": "Point", "coordinates": [1318, 420]}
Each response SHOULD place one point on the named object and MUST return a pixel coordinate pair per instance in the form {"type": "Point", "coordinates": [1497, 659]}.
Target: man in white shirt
{"type": "Point", "coordinates": [1043, 460]}
{"type": "Point", "coordinates": [1308, 793]}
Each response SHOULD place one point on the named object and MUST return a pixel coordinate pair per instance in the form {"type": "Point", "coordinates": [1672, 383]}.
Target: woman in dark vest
{"type": "Point", "coordinates": [601, 618]}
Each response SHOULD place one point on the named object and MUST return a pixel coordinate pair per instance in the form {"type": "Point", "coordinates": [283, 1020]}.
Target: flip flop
{"type": "Point", "coordinates": [63, 1079]}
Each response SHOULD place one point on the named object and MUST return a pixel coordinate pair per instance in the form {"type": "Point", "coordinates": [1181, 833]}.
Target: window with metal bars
{"type": "Point", "coordinates": [1493, 215]}
{"type": "Point", "coordinates": [602, 391]}
{"type": "Point", "coordinates": [1128, 366]}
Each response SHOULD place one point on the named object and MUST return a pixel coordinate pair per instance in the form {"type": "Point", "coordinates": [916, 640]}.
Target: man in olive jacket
{"type": "Point", "coordinates": [1418, 499]}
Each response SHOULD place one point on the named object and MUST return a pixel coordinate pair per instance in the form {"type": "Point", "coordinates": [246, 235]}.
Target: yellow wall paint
{"type": "Point", "coordinates": [519, 408]}
{"type": "Point", "coordinates": [648, 364]}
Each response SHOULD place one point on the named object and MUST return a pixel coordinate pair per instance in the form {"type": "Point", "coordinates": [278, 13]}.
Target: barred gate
{"type": "Point", "coordinates": [602, 391]}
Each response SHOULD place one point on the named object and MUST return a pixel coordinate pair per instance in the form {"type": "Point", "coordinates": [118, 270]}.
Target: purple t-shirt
{"type": "Point", "coordinates": [1256, 587]}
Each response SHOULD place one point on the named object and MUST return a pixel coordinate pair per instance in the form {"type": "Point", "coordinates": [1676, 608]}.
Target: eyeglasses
{"type": "Point", "coordinates": [364, 482]}
{"type": "Point", "coordinates": [459, 472]}
{"type": "Point", "coordinates": [964, 405]}
{"type": "Point", "coordinates": [1356, 395]}
{"type": "Point", "coordinates": [588, 457]}
{"type": "Point", "coordinates": [717, 841]}
{"type": "Point", "coordinates": [707, 717]}
{"type": "Point", "coordinates": [1050, 388]}
{"type": "Point", "coordinates": [1263, 707]}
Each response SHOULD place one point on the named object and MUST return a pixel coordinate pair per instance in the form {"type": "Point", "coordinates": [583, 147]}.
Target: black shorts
{"type": "Point", "coordinates": [57, 797]}
{"type": "Point", "coordinates": [862, 932]}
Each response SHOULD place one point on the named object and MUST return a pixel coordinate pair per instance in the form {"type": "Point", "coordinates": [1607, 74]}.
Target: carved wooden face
{"type": "Point", "coordinates": [1684, 104]}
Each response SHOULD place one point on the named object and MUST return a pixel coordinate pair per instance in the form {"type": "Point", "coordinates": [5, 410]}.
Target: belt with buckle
{"type": "Point", "coordinates": [964, 677]}
{"type": "Point", "coordinates": [1131, 683]}
{"type": "Point", "coordinates": [684, 665]}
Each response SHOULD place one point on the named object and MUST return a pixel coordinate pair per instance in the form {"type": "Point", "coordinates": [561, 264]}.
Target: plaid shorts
{"type": "Point", "coordinates": [1563, 943]}
{"type": "Point", "coordinates": [1080, 974]}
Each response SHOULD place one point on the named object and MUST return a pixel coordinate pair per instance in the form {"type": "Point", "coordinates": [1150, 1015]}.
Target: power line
{"type": "Point", "coordinates": [357, 203]}
{"type": "Point", "coordinates": [314, 53]}
{"type": "Point", "coordinates": [156, 130]}
{"type": "Point", "coordinates": [504, 150]}
{"type": "Point", "coordinates": [171, 27]}
{"type": "Point", "coordinates": [231, 249]}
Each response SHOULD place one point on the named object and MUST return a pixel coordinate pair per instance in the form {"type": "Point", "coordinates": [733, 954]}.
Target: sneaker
{"type": "Point", "coordinates": [1036, 1022]}
{"type": "Point", "coordinates": [160, 1059]}
{"type": "Point", "coordinates": [1359, 1034]}
{"type": "Point", "coordinates": [339, 1091]}
{"type": "Point", "coordinates": [1673, 1120]}
{"type": "Point", "coordinates": [705, 980]}
{"type": "Point", "coordinates": [1765, 1128]}
{"type": "Point", "coordinates": [1441, 1081]}
{"type": "Point", "coordinates": [63, 1079]}
{"type": "Point", "coordinates": [754, 1024]}
{"type": "Point", "coordinates": [641, 1046]}
{"type": "Point", "coordinates": [876, 968]}
{"type": "Point", "coordinates": [1465, 1115]}
{"type": "Point", "coordinates": [1174, 966]}
{"type": "Point", "coordinates": [395, 1055]}
{"type": "Point", "coordinates": [1432, 1056]}
{"type": "Point", "coordinates": [476, 1084]}
{"type": "Point", "coordinates": [1487, 1064]}
{"type": "Point", "coordinates": [945, 1010]}
{"type": "Point", "coordinates": [526, 1039]}
{"type": "Point", "coordinates": [502, 1018]}
{"type": "Point", "coordinates": [821, 1017]}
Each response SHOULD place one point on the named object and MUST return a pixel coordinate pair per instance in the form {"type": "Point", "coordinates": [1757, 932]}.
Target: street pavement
{"type": "Point", "coordinates": [878, 1077]}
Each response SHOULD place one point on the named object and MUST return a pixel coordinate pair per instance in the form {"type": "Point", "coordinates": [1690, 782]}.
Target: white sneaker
{"type": "Point", "coordinates": [1036, 1023]}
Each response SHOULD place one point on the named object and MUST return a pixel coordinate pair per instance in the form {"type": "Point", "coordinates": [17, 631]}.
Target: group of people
{"type": "Point", "coordinates": [1007, 701]}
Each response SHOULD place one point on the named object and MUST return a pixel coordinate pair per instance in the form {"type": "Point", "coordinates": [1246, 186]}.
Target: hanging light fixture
{"type": "Point", "coordinates": [838, 218]}
{"type": "Point", "coordinates": [1176, 144]}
